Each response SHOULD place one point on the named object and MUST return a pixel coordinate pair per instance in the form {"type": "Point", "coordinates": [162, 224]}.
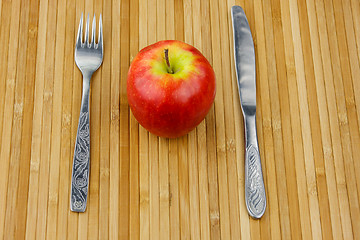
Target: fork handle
{"type": "Point", "coordinates": [254, 183]}
{"type": "Point", "coordinates": [81, 163]}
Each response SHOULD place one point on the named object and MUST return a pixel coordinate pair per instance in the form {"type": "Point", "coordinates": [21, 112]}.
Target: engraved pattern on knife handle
{"type": "Point", "coordinates": [254, 185]}
{"type": "Point", "coordinates": [81, 165]}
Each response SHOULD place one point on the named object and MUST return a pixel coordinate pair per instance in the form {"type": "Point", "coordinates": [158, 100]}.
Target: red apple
{"type": "Point", "coordinates": [170, 88]}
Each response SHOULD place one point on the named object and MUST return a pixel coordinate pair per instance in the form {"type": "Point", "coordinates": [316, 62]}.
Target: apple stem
{"type": "Point", "coordinates": [166, 51]}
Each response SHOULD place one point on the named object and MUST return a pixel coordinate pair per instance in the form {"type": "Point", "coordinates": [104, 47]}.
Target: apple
{"type": "Point", "coordinates": [170, 88]}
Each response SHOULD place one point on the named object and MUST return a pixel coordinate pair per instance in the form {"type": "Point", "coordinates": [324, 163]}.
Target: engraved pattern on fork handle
{"type": "Point", "coordinates": [255, 197]}
{"type": "Point", "coordinates": [81, 164]}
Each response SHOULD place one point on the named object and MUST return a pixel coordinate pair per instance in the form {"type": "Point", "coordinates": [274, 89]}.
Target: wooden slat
{"type": "Point", "coordinates": [351, 36]}
{"type": "Point", "coordinates": [334, 124]}
{"type": "Point", "coordinates": [315, 125]}
{"type": "Point", "coordinates": [286, 121]}
{"type": "Point", "coordinates": [116, 28]}
{"type": "Point", "coordinates": [202, 184]}
{"type": "Point", "coordinates": [9, 95]}
{"type": "Point", "coordinates": [229, 123]}
{"type": "Point", "coordinates": [5, 34]}
{"type": "Point", "coordinates": [355, 7]}
{"type": "Point", "coordinates": [295, 122]}
{"type": "Point", "coordinates": [105, 121]}
{"type": "Point", "coordinates": [342, 116]}
{"type": "Point", "coordinates": [325, 129]}
{"type": "Point", "coordinates": [305, 124]}
{"type": "Point", "coordinates": [66, 144]}
{"type": "Point", "coordinates": [276, 122]}
{"type": "Point", "coordinates": [48, 95]}
{"type": "Point", "coordinates": [220, 124]}
{"type": "Point", "coordinates": [350, 69]}
{"type": "Point", "coordinates": [22, 195]}
{"type": "Point", "coordinates": [214, 213]}
{"type": "Point", "coordinates": [147, 187]}
{"type": "Point", "coordinates": [53, 198]}
{"type": "Point", "coordinates": [344, 97]}
{"type": "Point", "coordinates": [174, 189]}
{"type": "Point", "coordinates": [37, 129]}
{"type": "Point", "coordinates": [154, 187]}
{"type": "Point", "coordinates": [184, 188]}
{"type": "Point", "coordinates": [355, 71]}
{"type": "Point", "coordinates": [124, 123]}
{"type": "Point", "coordinates": [0, 10]}
{"type": "Point", "coordinates": [18, 106]}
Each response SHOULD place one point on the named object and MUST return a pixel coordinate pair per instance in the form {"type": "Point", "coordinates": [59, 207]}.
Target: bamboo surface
{"type": "Point", "coordinates": [146, 187]}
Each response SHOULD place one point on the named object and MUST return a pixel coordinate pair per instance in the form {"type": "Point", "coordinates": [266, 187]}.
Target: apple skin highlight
{"type": "Point", "coordinates": [170, 104]}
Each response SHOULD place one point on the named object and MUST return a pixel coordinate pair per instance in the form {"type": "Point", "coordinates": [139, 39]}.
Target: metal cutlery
{"type": "Point", "coordinates": [88, 58]}
{"type": "Point", "coordinates": [255, 197]}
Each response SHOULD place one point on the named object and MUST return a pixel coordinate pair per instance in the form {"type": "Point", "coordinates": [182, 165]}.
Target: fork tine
{"type": "Point", "coordinates": [79, 35]}
{"type": "Point", "coordinates": [100, 39]}
{"type": "Point", "coordinates": [87, 31]}
{"type": "Point", "coordinates": [93, 44]}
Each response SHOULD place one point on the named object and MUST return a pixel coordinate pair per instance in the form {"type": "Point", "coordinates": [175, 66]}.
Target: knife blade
{"type": "Point", "coordinates": [255, 197]}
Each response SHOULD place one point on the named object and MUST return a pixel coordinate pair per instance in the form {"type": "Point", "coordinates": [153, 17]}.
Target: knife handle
{"type": "Point", "coordinates": [255, 197]}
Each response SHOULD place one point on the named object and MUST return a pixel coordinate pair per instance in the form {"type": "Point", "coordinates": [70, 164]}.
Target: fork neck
{"type": "Point", "coordinates": [85, 94]}
{"type": "Point", "coordinates": [87, 77]}
{"type": "Point", "coordinates": [86, 83]}
{"type": "Point", "coordinates": [86, 86]}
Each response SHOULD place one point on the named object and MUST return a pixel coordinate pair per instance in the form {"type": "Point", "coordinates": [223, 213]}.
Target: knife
{"type": "Point", "coordinates": [255, 197]}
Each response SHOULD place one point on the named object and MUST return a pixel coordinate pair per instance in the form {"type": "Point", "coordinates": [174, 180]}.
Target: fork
{"type": "Point", "coordinates": [88, 58]}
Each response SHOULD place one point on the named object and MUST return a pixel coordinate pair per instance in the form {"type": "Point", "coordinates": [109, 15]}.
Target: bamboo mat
{"type": "Point", "coordinates": [145, 187]}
